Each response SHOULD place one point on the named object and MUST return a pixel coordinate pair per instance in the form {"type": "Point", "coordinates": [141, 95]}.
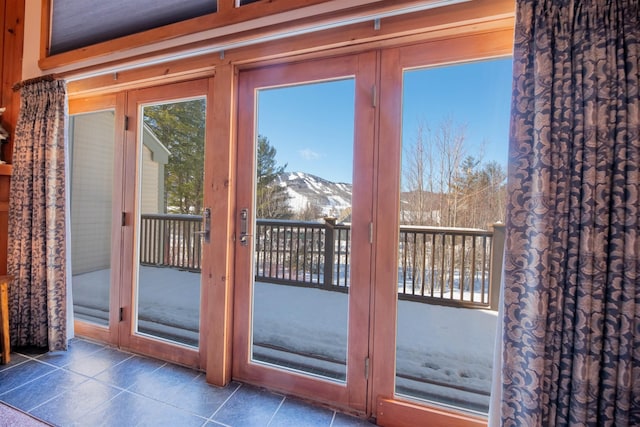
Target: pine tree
{"type": "Point", "coordinates": [180, 126]}
{"type": "Point", "coordinates": [272, 200]}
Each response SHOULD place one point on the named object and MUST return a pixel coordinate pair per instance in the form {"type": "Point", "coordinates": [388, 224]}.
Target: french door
{"type": "Point", "coordinates": [323, 275]}
{"type": "Point", "coordinates": [304, 210]}
{"type": "Point", "coordinates": [157, 223]}
{"type": "Point", "coordinates": [96, 165]}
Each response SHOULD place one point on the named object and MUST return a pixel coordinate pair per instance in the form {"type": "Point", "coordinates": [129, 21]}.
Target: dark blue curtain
{"type": "Point", "coordinates": [571, 325]}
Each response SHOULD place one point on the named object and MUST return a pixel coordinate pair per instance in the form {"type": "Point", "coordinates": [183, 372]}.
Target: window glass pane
{"type": "Point", "coordinates": [170, 197]}
{"type": "Point", "coordinates": [79, 23]}
{"type": "Point", "coordinates": [454, 142]}
{"type": "Point", "coordinates": [91, 137]}
{"type": "Point", "coordinates": [303, 215]}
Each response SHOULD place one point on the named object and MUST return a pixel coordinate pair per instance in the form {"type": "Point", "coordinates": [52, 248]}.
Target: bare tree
{"type": "Point", "coordinates": [449, 140]}
{"type": "Point", "coordinates": [442, 186]}
{"type": "Point", "coordinates": [311, 212]}
{"type": "Point", "coordinates": [431, 168]}
{"type": "Point", "coordinates": [417, 203]}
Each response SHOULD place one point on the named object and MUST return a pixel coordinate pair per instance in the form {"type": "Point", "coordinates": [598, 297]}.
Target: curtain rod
{"type": "Point", "coordinates": [45, 78]}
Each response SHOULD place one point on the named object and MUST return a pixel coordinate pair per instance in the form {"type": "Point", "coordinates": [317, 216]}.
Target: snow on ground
{"type": "Point", "coordinates": [169, 301]}
{"type": "Point", "coordinates": [450, 348]}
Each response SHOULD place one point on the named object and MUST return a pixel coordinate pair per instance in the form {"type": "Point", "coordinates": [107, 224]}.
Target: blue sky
{"type": "Point", "coordinates": [311, 126]}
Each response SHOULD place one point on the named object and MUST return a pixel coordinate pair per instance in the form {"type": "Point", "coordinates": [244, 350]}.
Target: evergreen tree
{"type": "Point", "coordinates": [180, 126]}
{"type": "Point", "coordinates": [272, 200]}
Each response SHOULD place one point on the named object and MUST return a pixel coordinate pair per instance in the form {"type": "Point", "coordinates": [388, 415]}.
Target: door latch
{"type": "Point", "coordinates": [244, 224]}
{"type": "Point", "coordinates": [206, 225]}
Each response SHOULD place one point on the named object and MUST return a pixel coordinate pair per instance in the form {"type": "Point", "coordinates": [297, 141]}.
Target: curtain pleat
{"type": "Point", "coordinates": [571, 313]}
{"type": "Point", "coordinates": [37, 232]}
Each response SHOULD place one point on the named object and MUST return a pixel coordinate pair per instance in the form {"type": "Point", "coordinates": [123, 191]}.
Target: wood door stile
{"type": "Point", "coordinates": [128, 338]}
{"type": "Point", "coordinates": [350, 395]}
{"type": "Point", "coordinates": [115, 102]}
{"type": "Point", "coordinates": [219, 177]}
{"type": "Point", "coordinates": [5, 342]}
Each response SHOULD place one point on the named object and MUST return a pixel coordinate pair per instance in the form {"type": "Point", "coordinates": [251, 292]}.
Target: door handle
{"type": "Point", "coordinates": [244, 224]}
{"type": "Point", "coordinates": [206, 225]}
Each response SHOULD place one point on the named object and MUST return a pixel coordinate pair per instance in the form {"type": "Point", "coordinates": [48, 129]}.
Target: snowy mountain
{"type": "Point", "coordinates": [308, 191]}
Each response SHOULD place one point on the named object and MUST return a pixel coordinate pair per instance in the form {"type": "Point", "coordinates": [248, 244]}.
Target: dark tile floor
{"type": "Point", "coordinates": [95, 385]}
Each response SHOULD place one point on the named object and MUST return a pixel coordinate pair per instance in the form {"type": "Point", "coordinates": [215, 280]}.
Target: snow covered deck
{"type": "Point", "coordinates": [444, 354]}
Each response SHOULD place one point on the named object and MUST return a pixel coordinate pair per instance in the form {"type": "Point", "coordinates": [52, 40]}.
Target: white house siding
{"type": "Point", "coordinates": [92, 139]}
{"type": "Point", "coordinates": [150, 197]}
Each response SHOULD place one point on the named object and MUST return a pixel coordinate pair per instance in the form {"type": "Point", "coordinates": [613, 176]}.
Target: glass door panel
{"type": "Point", "coordinates": [452, 202]}
{"type": "Point", "coordinates": [92, 149]}
{"type": "Point", "coordinates": [303, 184]}
{"type": "Point", "coordinates": [304, 209]}
{"type": "Point", "coordinates": [170, 210]}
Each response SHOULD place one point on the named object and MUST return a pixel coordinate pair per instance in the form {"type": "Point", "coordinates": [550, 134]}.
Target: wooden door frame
{"type": "Point", "coordinates": [352, 394]}
{"type": "Point", "coordinates": [164, 350]}
{"type": "Point", "coordinates": [116, 103]}
{"type": "Point", "coordinates": [390, 409]}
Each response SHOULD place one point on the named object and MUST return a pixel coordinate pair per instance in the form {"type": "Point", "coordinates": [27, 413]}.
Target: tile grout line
{"type": "Point", "coordinates": [224, 403]}
{"type": "Point", "coordinates": [333, 418]}
{"type": "Point", "coordinates": [276, 411]}
{"type": "Point", "coordinates": [32, 379]}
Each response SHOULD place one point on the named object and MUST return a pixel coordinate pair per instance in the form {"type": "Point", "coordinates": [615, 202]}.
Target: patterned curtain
{"type": "Point", "coordinates": [571, 331]}
{"type": "Point", "coordinates": [37, 237]}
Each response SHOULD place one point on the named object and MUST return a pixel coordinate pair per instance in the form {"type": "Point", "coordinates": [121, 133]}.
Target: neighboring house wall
{"type": "Point", "coordinates": [92, 137]}
{"type": "Point", "coordinates": [149, 199]}
{"type": "Point", "coordinates": [91, 187]}
{"type": "Point", "coordinates": [154, 157]}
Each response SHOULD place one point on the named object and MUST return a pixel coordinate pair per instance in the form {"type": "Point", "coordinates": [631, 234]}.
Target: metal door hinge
{"type": "Point", "coordinates": [121, 315]}
{"type": "Point", "coordinates": [126, 123]}
{"type": "Point", "coordinates": [123, 220]}
{"type": "Point", "coordinates": [374, 96]}
{"type": "Point", "coordinates": [371, 233]}
{"type": "Point", "coordinates": [366, 368]}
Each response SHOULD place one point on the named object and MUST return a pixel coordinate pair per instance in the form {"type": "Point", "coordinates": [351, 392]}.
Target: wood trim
{"type": "Point", "coordinates": [128, 339]}
{"type": "Point", "coordinates": [279, 25]}
{"type": "Point", "coordinates": [387, 209]}
{"type": "Point", "coordinates": [2, 31]}
{"type": "Point", "coordinates": [224, 6]}
{"type": "Point", "coordinates": [45, 26]}
{"type": "Point", "coordinates": [5, 341]}
{"type": "Point", "coordinates": [13, 39]}
{"type": "Point", "coordinates": [221, 156]}
{"type": "Point", "coordinates": [116, 102]}
{"type": "Point", "coordinates": [394, 413]}
{"type": "Point", "coordinates": [93, 104]}
{"type": "Point", "coordinates": [225, 17]}
{"type": "Point", "coordinates": [94, 332]}
{"type": "Point", "coordinates": [390, 410]}
{"type": "Point", "coordinates": [137, 78]}
{"type": "Point", "coordinates": [11, 42]}
{"type": "Point", "coordinates": [352, 395]}
{"type": "Point", "coordinates": [445, 22]}
{"type": "Point", "coordinates": [362, 217]}
{"type": "Point", "coordinates": [224, 22]}
{"type": "Point", "coordinates": [4, 219]}
{"type": "Point", "coordinates": [450, 22]}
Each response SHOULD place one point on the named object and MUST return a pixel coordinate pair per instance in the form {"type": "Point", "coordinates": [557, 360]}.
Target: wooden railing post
{"type": "Point", "coordinates": [495, 268]}
{"type": "Point", "coordinates": [329, 250]}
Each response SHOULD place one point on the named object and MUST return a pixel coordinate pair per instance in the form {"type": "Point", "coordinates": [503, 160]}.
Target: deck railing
{"type": "Point", "coordinates": [303, 253]}
{"type": "Point", "coordinates": [171, 240]}
{"type": "Point", "coordinates": [450, 266]}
